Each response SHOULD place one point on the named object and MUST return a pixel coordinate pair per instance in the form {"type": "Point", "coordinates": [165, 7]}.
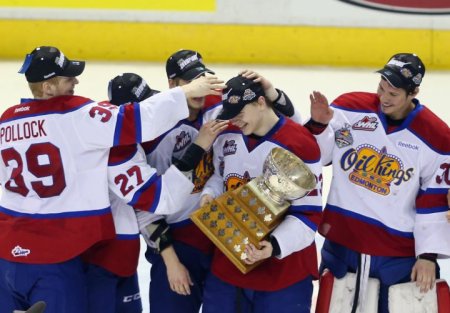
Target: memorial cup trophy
{"type": "Point", "coordinates": [249, 213]}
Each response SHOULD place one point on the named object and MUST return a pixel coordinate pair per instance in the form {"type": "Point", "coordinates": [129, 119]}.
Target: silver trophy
{"type": "Point", "coordinates": [249, 213]}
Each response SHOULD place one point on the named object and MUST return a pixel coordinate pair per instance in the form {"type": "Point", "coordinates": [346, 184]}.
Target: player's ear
{"type": "Point", "coordinates": [414, 92]}
{"type": "Point", "coordinates": [172, 83]}
{"type": "Point", "coordinates": [46, 88]}
{"type": "Point", "coordinates": [261, 102]}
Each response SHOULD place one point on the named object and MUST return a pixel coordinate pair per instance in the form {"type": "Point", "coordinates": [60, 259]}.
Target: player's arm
{"type": "Point", "coordinates": [431, 225]}
{"type": "Point", "coordinates": [214, 186]}
{"type": "Point", "coordinates": [205, 138]}
{"type": "Point", "coordinates": [137, 183]}
{"type": "Point", "coordinates": [139, 122]}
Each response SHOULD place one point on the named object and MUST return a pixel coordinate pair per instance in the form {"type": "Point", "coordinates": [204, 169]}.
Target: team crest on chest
{"type": "Point", "coordinates": [343, 137]}
{"type": "Point", "coordinates": [182, 141]}
{"type": "Point", "coordinates": [229, 147]}
{"type": "Point", "coordinates": [366, 123]}
{"type": "Point", "coordinates": [375, 169]}
{"type": "Point", "coordinates": [234, 180]}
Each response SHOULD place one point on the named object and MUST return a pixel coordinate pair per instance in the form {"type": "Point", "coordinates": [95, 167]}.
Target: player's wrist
{"type": "Point", "coordinates": [432, 257]}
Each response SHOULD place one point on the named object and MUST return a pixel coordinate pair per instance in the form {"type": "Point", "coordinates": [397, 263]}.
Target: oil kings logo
{"type": "Point", "coordinates": [18, 251]}
{"type": "Point", "coordinates": [374, 169]}
{"type": "Point", "coordinates": [405, 6]}
{"type": "Point", "coordinates": [234, 180]}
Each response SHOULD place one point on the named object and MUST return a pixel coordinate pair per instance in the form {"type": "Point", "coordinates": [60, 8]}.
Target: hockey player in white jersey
{"type": "Point", "coordinates": [385, 213]}
{"type": "Point", "coordinates": [55, 202]}
{"type": "Point", "coordinates": [283, 282]}
{"type": "Point", "coordinates": [180, 265]}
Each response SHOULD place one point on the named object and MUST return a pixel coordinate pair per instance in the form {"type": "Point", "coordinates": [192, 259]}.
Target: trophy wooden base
{"type": "Point", "coordinates": [237, 218]}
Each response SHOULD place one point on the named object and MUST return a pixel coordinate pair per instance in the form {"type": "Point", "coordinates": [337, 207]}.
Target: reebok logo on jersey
{"type": "Point", "coordinates": [407, 145]}
{"type": "Point", "coordinates": [367, 123]}
{"type": "Point", "coordinates": [18, 251]}
{"type": "Point", "coordinates": [22, 109]}
{"type": "Point", "coordinates": [229, 147]}
{"type": "Point", "coordinates": [183, 140]}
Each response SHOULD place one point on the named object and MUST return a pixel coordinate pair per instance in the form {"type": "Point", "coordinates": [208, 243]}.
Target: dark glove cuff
{"type": "Point", "coordinates": [191, 158]}
{"type": "Point", "coordinates": [428, 256]}
{"type": "Point", "coordinates": [314, 127]}
{"type": "Point", "coordinates": [276, 250]}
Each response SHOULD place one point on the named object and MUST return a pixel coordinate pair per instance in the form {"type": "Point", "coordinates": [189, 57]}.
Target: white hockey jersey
{"type": "Point", "coordinates": [237, 160]}
{"type": "Point", "coordinates": [173, 144]}
{"type": "Point", "coordinates": [55, 201]}
{"type": "Point", "coordinates": [388, 194]}
{"type": "Point", "coordinates": [133, 181]}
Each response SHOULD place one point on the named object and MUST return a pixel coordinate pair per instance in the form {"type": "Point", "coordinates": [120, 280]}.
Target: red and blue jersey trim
{"type": "Point", "coordinates": [130, 116]}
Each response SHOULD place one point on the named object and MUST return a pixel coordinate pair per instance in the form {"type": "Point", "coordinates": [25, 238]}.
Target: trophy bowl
{"type": "Point", "coordinates": [286, 176]}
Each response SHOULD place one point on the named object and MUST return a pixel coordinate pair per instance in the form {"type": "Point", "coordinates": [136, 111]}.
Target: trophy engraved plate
{"type": "Point", "coordinates": [249, 213]}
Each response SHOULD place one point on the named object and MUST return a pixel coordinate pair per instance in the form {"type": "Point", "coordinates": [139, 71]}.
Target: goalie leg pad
{"type": "Point", "coordinates": [336, 295]}
{"type": "Point", "coordinates": [407, 297]}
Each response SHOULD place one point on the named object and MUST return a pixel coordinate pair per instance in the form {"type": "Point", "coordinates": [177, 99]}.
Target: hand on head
{"type": "Point", "coordinates": [209, 131]}
{"type": "Point", "coordinates": [269, 89]}
{"type": "Point", "coordinates": [203, 86]}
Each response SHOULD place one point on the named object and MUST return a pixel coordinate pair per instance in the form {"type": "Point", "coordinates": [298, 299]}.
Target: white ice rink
{"type": "Point", "coordinates": [297, 82]}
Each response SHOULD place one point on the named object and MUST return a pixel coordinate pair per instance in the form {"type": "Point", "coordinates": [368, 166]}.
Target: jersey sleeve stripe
{"type": "Point", "coordinates": [127, 236]}
{"type": "Point", "coordinates": [306, 221]}
{"type": "Point", "coordinates": [147, 197]}
{"type": "Point", "coordinates": [432, 210]}
{"type": "Point", "coordinates": [305, 208]}
{"type": "Point", "coordinates": [432, 198]}
{"type": "Point", "coordinates": [128, 129]}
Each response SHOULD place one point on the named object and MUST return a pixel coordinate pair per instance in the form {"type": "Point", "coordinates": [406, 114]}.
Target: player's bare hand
{"type": "Point", "coordinates": [320, 109]}
{"type": "Point", "coordinates": [255, 255]}
{"type": "Point", "coordinates": [209, 131]}
{"type": "Point", "coordinates": [177, 274]}
{"type": "Point", "coordinates": [203, 86]}
{"type": "Point", "coordinates": [424, 274]}
{"type": "Point", "coordinates": [206, 199]}
{"type": "Point", "coordinates": [269, 89]}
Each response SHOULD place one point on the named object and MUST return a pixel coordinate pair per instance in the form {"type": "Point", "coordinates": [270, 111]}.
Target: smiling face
{"type": "Point", "coordinates": [249, 119]}
{"type": "Point", "coordinates": [256, 118]}
{"type": "Point", "coordinates": [395, 102]}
